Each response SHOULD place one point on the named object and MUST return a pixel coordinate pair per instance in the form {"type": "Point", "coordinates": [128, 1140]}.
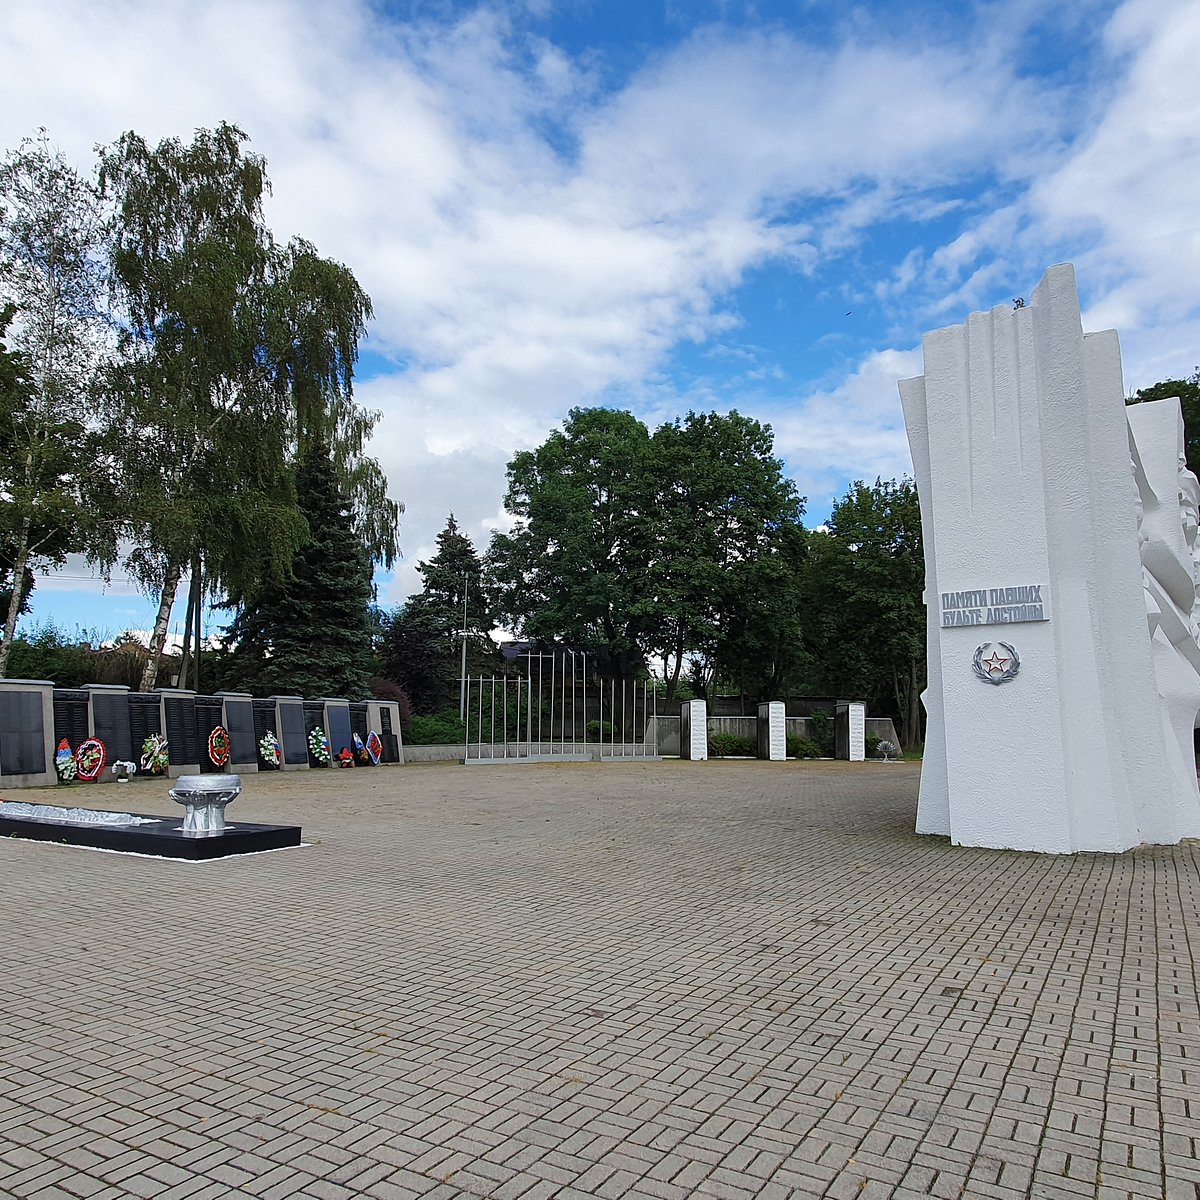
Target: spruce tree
{"type": "Point", "coordinates": [421, 649]}
{"type": "Point", "coordinates": [310, 635]}
{"type": "Point", "coordinates": [454, 567]}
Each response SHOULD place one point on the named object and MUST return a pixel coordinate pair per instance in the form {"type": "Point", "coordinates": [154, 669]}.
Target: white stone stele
{"type": "Point", "coordinates": [772, 731]}
{"type": "Point", "coordinates": [1021, 450]}
{"type": "Point", "coordinates": [693, 730]}
{"type": "Point", "coordinates": [1169, 498]}
{"type": "Point", "coordinates": [856, 713]}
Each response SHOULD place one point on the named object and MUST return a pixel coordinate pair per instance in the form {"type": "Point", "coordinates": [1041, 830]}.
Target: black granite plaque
{"type": "Point", "coordinates": [314, 718]}
{"type": "Point", "coordinates": [264, 723]}
{"type": "Point", "coordinates": [22, 734]}
{"type": "Point", "coordinates": [239, 720]}
{"type": "Point", "coordinates": [293, 732]}
{"type": "Point", "coordinates": [182, 748]}
{"type": "Point", "coordinates": [358, 721]}
{"type": "Point", "coordinates": [70, 715]}
{"type": "Point", "coordinates": [208, 717]}
{"type": "Point", "coordinates": [110, 720]}
{"type": "Point", "coordinates": [145, 718]}
{"type": "Point", "coordinates": [391, 744]}
{"type": "Point", "coordinates": [339, 729]}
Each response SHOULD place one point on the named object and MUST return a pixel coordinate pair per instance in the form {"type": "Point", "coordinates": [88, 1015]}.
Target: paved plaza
{"type": "Point", "coordinates": [723, 979]}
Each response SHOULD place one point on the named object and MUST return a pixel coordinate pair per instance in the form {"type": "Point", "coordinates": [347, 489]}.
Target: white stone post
{"type": "Point", "coordinates": [693, 730]}
{"type": "Point", "coordinates": [856, 713]}
{"type": "Point", "coordinates": [772, 731]}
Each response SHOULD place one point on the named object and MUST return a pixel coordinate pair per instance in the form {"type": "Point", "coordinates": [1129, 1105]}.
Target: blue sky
{"type": "Point", "coordinates": [660, 204]}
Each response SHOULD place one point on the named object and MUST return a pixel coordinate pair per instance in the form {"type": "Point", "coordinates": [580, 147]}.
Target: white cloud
{"type": "Point", "coordinates": [1117, 199]}
{"type": "Point", "coordinates": [1132, 183]}
{"type": "Point", "coordinates": [852, 431]}
{"type": "Point", "coordinates": [532, 242]}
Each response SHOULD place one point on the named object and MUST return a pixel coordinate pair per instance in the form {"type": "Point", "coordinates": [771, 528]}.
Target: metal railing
{"type": "Point", "coordinates": [553, 713]}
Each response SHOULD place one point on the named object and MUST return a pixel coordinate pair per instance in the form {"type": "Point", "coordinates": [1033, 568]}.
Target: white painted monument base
{"type": "Point", "coordinates": [772, 731]}
{"type": "Point", "coordinates": [1059, 712]}
{"type": "Point", "coordinates": [693, 730]}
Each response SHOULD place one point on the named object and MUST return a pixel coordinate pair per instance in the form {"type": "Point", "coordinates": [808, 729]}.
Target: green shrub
{"type": "Point", "coordinates": [731, 745]}
{"type": "Point", "coordinates": [802, 747]}
{"type": "Point", "coordinates": [441, 729]}
{"type": "Point", "coordinates": [72, 660]}
{"type": "Point", "coordinates": [599, 731]}
{"type": "Point", "coordinates": [872, 744]}
{"type": "Point", "coordinates": [822, 731]}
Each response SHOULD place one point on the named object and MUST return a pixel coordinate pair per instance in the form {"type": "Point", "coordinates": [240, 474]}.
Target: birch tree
{"type": "Point", "coordinates": [209, 480]}
{"type": "Point", "coordinates": [50, 276]}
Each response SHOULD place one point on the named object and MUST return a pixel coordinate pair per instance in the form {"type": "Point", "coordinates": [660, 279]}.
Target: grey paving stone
{"type": "Point", "coordinates": [647, 980]}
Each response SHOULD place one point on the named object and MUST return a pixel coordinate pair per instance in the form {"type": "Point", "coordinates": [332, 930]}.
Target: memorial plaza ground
{"type": "Point", "coordinates": [723, 979]}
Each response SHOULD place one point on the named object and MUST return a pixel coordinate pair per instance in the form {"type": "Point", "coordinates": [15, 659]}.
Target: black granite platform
{"type": "Point", "coordinates": [165, 840]}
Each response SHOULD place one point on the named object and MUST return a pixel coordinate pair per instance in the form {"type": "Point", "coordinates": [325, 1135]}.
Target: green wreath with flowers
{"type": "Point", "coordinates": [64, 762]}
{"type": "Point", "coordinates": [154, 754]}
{"type": "Point", "coordinates": [318, 746]}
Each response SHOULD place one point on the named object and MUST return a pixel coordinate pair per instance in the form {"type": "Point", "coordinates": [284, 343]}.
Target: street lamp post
{"type": "Point", "coordinates": [462, 678]}
{"type": "Point", "coordinates": [462, 674]}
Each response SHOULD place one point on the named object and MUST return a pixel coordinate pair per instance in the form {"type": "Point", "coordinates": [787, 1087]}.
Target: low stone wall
{"type": "Point", "coordinates": [667, 730]}
{"type": "Point", "coordinates": [452, 753]}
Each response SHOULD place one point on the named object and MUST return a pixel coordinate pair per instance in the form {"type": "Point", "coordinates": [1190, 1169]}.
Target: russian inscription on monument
{"type": "Point", "coordinates": [996, 606]}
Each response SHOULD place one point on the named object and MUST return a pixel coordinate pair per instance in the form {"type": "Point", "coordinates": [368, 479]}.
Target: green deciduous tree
{"type": "Point", "coordinates": [209, 477]}
{"type": "Point", "coordinates": [575, 567]}
{"type": "Point", "coordinates": [316, 314]}
{"type": "Point", "coordinates": [730, 543]}
{"type": "Point", "coordinates": [629, 545]}
{"type": "Point", "coordinates": [865, 618]}
{"type": "Point", "coordinates": [49, 441]}
{"type": "Point", "coordinates": [315, 318]}
{"type": "Point", "coordinates": [238, 366]}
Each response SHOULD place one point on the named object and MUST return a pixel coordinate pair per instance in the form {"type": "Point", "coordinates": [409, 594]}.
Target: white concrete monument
{"type": "Point", "coordinates": [1064, 671]}
{"type": "Point", "coordinates": [772, 731]}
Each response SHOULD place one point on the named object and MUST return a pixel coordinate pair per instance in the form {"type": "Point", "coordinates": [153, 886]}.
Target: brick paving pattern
{"type": "Point", "coordinates": [654, 980]}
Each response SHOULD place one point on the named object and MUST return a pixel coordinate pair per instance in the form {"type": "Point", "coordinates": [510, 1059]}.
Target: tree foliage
{"type": "Point", "coordinates": [420, 647]}
{"type": "Point", "coordinates": [49, 445]}
{"type": "Point", "coordinates": [730, 543]}
{"type": "Point", "coordinates": [309, 632]}
{"type": "Point", "coordinates": [237, 367]}
{"type": "Point", "coordinates": [575, 567]}
{"type": "Point", "coordinates": [627, 544]}
{"type": "Point", "coordinates": [316, 315]}
{"type": "Point", "coordinates": [209, 479]}
{"type": "Point", "coordinates": [865, 619]}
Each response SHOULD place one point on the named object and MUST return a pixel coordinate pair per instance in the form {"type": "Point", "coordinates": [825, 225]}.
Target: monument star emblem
{"type": "Point", "coordinates": [996, 667]}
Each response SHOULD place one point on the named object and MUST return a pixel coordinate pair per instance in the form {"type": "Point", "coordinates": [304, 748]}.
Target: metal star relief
{"type": "Point", "coordinates": [996, 668]}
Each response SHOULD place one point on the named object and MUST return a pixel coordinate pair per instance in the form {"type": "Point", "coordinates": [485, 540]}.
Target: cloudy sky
{"type": "Point", "coordinates": [662, 205]}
